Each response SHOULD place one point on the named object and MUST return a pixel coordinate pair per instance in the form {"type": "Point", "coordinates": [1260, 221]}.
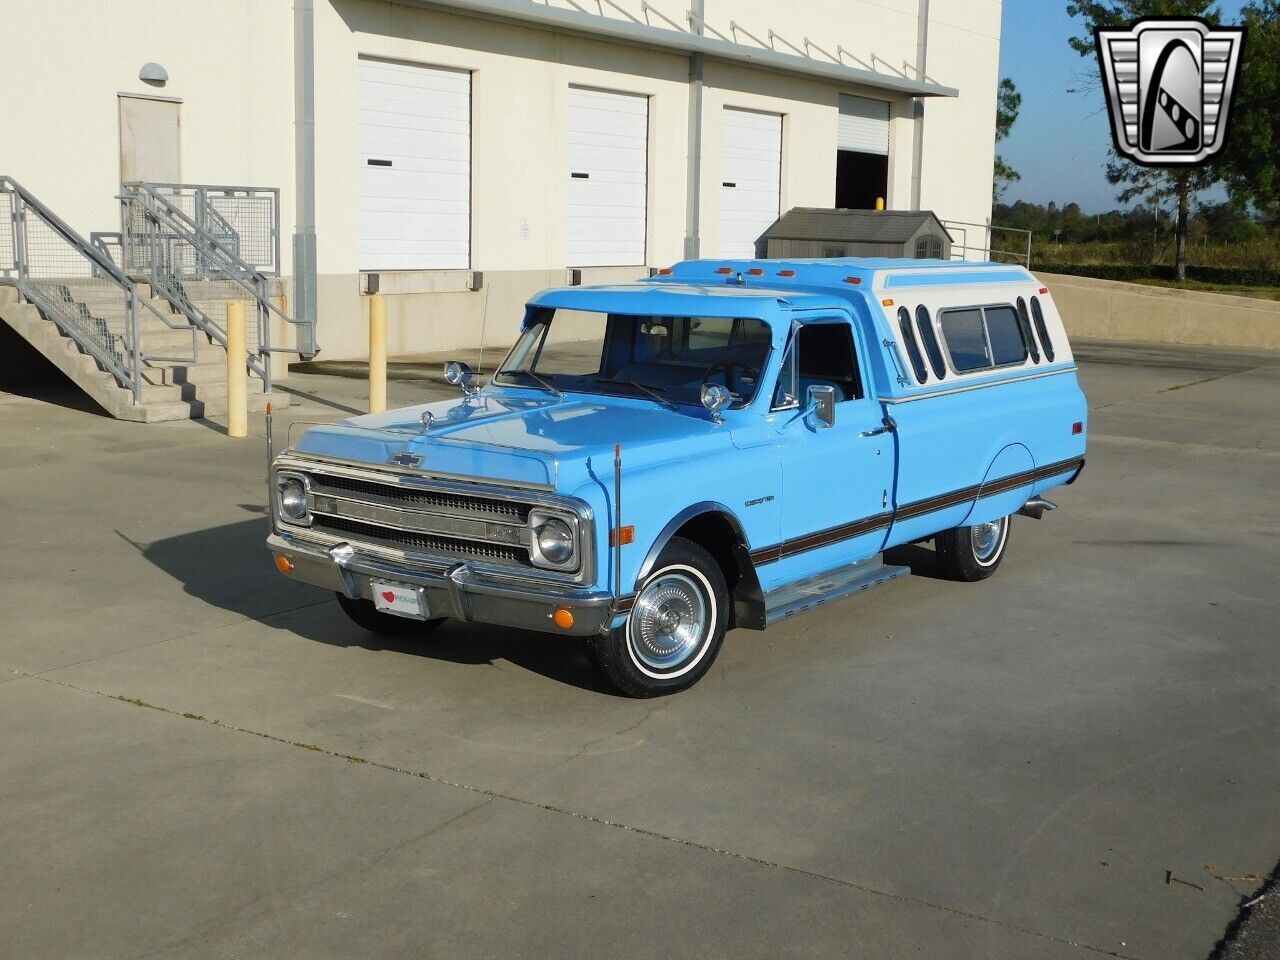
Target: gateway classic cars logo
{"type": "Point", "coordinates": [1169, 84]}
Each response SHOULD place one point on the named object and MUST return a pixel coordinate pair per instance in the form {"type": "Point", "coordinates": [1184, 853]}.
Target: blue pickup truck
{"type": "Point", "coordinates": [722, 445]}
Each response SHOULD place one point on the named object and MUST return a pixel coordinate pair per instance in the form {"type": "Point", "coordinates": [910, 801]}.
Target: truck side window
{"type": "Point", "coordinates": [826, 358]}
{"type": "Point", "coordinates": [909, 342]}
{"type": "Point", "coordinates": [966, 338]}
{"type": "Point", "coordinates": [1038, 315]}
{"type": "Point", "coordinates": [1024, 321]}
{"type": "Point", "coordinates": [1004, 335]}
{"type": "Point", "coordinates": [930, 342]}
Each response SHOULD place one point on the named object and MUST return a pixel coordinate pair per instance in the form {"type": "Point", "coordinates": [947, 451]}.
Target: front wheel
{"type": "Point", "coordinates": [674, 629]}
{"type": "Point", "coordinates": [973, 553]}
{"type": "Point", "coordinates": [364, 614]}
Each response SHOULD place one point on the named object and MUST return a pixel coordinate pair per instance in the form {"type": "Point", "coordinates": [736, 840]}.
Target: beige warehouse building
{"type": "Point", "coordinates": [458, 155]}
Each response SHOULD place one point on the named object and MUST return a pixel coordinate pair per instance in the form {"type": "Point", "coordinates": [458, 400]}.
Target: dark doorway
{"type": "Point", "coordinates": [861, 178]}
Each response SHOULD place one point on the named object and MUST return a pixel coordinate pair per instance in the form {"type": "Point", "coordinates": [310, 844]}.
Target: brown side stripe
{"type": "Point", "coordinates": [908, 511]}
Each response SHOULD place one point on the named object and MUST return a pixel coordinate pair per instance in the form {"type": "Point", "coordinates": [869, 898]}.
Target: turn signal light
{"type": "Point", "coordinates": [563, 618]}
{"type": "Point", "coordinates": [622, 536]}
{"type": "Point", "coordinates": [283, 563]}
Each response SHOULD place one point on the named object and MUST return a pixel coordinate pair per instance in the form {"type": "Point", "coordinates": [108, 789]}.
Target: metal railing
{"type": "Point", "coordinates": [76, 285]}
{"type": "Point", "coordinates": [201, 246]}
{"type": "Point", "coordinates": [1018, 240]}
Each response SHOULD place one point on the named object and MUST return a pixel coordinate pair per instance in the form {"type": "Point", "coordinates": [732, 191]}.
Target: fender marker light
{"type": "Point", "coordinates": [625, 534]}
{"type": "Point", "coordinates": [852, 279]}
{"type": "Point", "coordinates": [563, 618]}
{"type": "Point", "coordinates": [1077, 428]}
{"type": "Point", "coordinates": [283, 563]}
{"type": "Point", "coordinates": [1044, 289]}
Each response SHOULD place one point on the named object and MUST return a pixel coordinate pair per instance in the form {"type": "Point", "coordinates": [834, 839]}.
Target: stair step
{"type": "Point", "coordinates": [825, 588]}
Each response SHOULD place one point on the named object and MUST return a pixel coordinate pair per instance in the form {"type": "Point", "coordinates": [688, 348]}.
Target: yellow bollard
{"type": "Point", "coordinates": [377, 353]}
{"type": "Point", "coordinates": [237, 373]}
{"type": "Point", "coordinates": [879, 203]}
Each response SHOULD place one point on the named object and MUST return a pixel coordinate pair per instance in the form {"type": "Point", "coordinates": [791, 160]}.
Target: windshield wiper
{"type": "Point", "coordinates": [534, 377]}
{"type": "Point", "coordinates": [643, 387]}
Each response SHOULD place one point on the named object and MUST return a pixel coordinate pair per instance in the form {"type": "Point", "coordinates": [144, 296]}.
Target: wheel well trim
{"type": "Point", "coordinates": [691, 512]}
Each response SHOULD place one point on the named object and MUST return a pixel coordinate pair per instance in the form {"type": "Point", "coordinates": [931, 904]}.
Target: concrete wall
{"type": "Point", "coordinates": [1129, 311]}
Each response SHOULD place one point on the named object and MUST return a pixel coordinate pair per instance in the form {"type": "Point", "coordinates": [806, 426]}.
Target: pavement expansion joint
{"type": "Point", "coordinates": [590, 818]}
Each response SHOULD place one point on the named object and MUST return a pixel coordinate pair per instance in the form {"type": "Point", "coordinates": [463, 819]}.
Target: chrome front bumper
{"type": "Point", "coordinates": [453, 589]}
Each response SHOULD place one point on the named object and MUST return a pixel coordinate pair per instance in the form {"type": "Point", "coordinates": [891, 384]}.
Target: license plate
{"type": "Point", "coordinates": [399, 599]}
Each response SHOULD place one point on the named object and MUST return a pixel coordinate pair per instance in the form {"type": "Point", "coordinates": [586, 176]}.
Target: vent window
{"type": "Point", "coordinates": [909, 342]}
{"type": "Point", "coordinates": [1038, 316]}
{"type": "Point", "coordinates": [1024, 321]}
{"type": "Point", "coordinates": [930, 340]}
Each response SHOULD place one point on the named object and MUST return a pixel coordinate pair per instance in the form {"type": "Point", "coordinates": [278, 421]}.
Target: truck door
{"type": "Point", "coordinates": [837, 481]}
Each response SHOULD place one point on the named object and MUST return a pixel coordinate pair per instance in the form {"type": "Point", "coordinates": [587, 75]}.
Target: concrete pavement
{"type": "Point", "coordinates": [205, 759]}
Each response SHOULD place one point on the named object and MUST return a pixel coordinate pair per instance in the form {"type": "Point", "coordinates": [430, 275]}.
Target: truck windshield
{"type": "Point", "coordinates": [663, 359]}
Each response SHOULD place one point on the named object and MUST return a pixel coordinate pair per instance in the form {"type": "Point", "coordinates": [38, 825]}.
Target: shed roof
{"type": "Point", "coordinates": [852, 226]}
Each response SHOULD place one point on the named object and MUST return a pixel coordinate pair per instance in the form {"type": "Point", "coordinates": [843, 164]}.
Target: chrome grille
{"type": "Point", "coordinates": [422, 543]}
{"type": "Point", "coordinates": [486, 508]}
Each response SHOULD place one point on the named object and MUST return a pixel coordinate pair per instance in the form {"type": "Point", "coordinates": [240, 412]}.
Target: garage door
{"type": "Point", "coordinates": [751, 174]}
{"type": "Point", "coordinates": [863, 125]}
{"type": "Point", "coordinates": [414, 176]}
{"type": "Point", "coordinates": [608, 178]}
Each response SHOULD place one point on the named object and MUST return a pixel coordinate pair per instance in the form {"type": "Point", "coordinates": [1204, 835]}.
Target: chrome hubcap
{"type": "Point", "coordinates": [668, 622]}
{"type": "Point", "coordinates": [987, 538]}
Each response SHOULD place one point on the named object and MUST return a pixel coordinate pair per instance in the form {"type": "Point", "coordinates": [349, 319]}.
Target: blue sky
{"type": "Point", "coordinates": [1060, 141]}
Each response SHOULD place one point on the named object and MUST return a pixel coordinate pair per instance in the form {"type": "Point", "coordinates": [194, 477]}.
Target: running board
{"type": "Point", "coordinates": [836, 585]}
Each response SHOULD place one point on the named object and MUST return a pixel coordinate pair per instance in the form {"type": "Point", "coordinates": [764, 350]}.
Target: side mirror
{"type": "Point", "coordinates": [714, 397]}
{"type": "Point", "coordinates": [460, 375]}
{"type": "Point", "coordinates": [822, 404]}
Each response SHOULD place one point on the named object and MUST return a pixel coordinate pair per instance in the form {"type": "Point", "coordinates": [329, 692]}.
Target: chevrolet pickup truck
{"type": "Point", "coordinates": [724, 444]}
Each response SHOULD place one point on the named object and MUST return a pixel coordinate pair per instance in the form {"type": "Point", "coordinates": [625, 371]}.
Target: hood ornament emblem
{"type": "Point", "coordinates": [406, 459]}
{"type": "Point", "coordinates": [428, 418]}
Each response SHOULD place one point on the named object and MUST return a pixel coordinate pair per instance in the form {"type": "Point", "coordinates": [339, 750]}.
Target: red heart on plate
{"type": "Point", "coordinates": [389, 596]}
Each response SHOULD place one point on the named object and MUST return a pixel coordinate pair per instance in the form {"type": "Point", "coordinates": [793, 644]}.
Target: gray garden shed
{"type": "Point", "coordinates": [818, 232]}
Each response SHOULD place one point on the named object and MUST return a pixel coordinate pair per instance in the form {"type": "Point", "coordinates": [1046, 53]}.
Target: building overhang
{"type": "Point", "coordinates": [562, 20]}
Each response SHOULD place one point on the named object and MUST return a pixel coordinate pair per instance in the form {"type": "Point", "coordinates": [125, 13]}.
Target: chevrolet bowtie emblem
{"type": "Point", "coordinates": [406, 460]}
{"type": "Point", "coordinates": [1169, 85]}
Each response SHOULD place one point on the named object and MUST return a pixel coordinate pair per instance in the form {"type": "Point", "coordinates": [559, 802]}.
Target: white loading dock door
{"type": "Point", "coordinates": [414, 175]}
{"type": "Point", "coordinates": [608, 178]}
{"type": "Point", "coordinates": [750, 179]}
{"type": "Point", "coordinates": [863, 125]}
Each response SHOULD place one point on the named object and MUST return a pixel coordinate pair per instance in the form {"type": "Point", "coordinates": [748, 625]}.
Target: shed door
{"type": "Point", "coordinates": [150, 140]}
{"type": "Point", "coordinates": [863, 125]}
{"type": "Point", "coordinates": [750, 179]}
{"type": "Point", "coordinates": [414, 173]}
{"type": "Point", "coordinates": [608, 178]}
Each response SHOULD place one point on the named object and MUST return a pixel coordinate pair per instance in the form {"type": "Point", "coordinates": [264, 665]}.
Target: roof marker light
{"type": "Point", "coordinates": [664, 272]}
{"type": "Point", "coordinates": [725, 270]}
{"type": "Point", "coordinates": [1044, 289]}
{"type": "Point", "coordinates": [756, 272]}
{"type": "Point", "coordinates": [786, 273]}
{"type": "Point", "coordinates": [852, 279]}
{"type": "Point", "coordinates": [886, 303]}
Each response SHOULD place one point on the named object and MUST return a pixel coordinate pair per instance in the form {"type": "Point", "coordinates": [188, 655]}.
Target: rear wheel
{"type": "Point", "coordinates": [974, 552]}
{"type": "Point", "coordinates": [366, 615]}
{"type": "Point", "coordinates": [674, 630]}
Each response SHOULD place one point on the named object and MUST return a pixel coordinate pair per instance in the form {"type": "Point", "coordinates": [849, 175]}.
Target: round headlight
{"type": "Point", "coordinates": [293, 499]}
{"type": "Point", "coordinates": [555, 541]}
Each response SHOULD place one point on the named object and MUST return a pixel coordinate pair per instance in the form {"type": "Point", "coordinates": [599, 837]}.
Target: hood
{"type": "Point", "coordinates": [551, 442]}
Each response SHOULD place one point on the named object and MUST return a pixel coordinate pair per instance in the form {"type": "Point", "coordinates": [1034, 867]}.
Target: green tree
{"type": "Point", "coordinates": [1154, 184]}
{"type": "Point", "coordinates": [1008, 102]}
{"type": "Point", "coordinates": [1251, 161]}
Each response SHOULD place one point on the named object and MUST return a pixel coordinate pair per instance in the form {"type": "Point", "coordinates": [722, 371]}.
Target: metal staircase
{"type": "Point", "coordinates": [146, 343]}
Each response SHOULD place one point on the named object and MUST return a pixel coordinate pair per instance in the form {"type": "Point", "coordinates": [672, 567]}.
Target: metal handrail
{"type": "Point", "coordinates": [44, 272]}
{"type": "Point", "coordinates": [986, 250]}
{"type": "Point", "coordinates": [216, 258]}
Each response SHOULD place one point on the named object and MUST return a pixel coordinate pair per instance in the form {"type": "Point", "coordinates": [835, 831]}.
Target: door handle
{"type": "Point", "coordinates": [889, 426]}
